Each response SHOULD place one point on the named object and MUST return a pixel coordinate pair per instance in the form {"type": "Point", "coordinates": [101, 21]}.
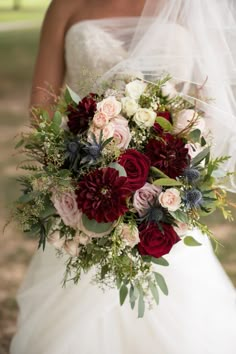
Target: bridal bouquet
{"type": "Point", "coordinates": [116, 180]}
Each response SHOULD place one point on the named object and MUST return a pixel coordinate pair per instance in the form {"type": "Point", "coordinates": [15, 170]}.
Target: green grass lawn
{"type": "Point", "coordinates": [31, 10]}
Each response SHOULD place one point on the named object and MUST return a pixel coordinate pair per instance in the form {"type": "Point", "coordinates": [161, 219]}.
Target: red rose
{"type": "Point", "coordinates": [167, 116]}
{"type": "Point", "coordinates": [154, 242]}
{"type": "Point", "coordinates": [136, 166]}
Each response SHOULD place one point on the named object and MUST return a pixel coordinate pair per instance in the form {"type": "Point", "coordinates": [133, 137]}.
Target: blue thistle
{"type": "Point", "coordinates": [73, 153]}
{"type": "Point", "coordinates": [92, 151]}
{"type": "Point", "coordinates": [192, 175]}
{"type": "Point", "coordinates": [156, 214]}
{"type": "Point", "coordinates": [193, 198]}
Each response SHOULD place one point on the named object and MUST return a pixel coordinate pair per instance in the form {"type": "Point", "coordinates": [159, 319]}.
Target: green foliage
{"type": "Point", "coordinates": [190, 241]}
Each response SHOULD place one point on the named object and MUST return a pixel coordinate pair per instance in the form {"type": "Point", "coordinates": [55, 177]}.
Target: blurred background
{"type": "Point", "coordinates": [20, 22]}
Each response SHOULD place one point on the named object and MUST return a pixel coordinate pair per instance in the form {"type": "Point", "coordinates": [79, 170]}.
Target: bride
{"type": "Point", "coordinates": [84, 39]}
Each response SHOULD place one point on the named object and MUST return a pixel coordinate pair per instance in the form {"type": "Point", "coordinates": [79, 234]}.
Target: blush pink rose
{"type": "Point", "coordinates": [57, 241]}
{"type": "Point", "coordinates": [67, 208]}
{"type": "Point", "coordinates": [107, 132]}
{"type": "Point", "coordinates": [170, 199]}
{"type": "Point", "coordinates": [100, 120]}
{"type": "Point", "coordinates": [181, 229]}
{"type": "Point", "coordinates": [121, 135]}
{"type": "Point", "coordinates": [130, 234]}
{"type": "Point", "coordinates": [110, 106]}
{"type": "Point", "coordinates": [72, 248]}
{"type": "Point", "coordinates": [145, 196]}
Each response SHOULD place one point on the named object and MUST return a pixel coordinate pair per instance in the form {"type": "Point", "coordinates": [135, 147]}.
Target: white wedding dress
{"type": "Point", "coordinates": [197, 317]}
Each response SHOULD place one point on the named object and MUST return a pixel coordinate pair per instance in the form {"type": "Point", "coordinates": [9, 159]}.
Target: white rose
{"type": "Point", "coordinates": [184, 117]}
{"type": "Point", "coordinates": [129, 106]}
{"type": "Point", "coordinates": [121, 135]}
{"type": "Point", "coordinates": [72, 248]}
{"type": "Point", "coordinates": [129, 234]}
{"type": "Point", "coordinates": [135, 89]}
{"type": "Point", "coordinates": [67, 208]}
{"type": "Point", "coordinates": [145, 117]}
{"type": "Point", "coordinates": [144, 196]}
{"type": "Point", "coordinates": [110, 106]}
{"type": "Point", "coordinates": [181, 229]}
{"type": "Point", "coordinates": [170, 199]}
{"type": "Point", "coordinates": [169, 90]}
{"type": "Point", "coordinates": [57, 241]}
{"type": "Point", "coordinates": [100, 120]}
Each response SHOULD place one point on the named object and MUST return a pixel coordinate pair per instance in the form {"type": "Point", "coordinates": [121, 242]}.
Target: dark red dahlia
{"type": "Point", "coordinates": [164, 114]}
{"type": "Point", "coordinates": [168, 154]}
{"type": "Point", "coordinates": [80, 115]}
{"type": "Point", "coordinates": [102, 195]}
{"type": "Point", "coordinates": [155, 242]}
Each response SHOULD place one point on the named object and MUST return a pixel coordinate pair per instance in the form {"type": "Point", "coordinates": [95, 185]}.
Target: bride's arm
{"type": "Point", "coordinates": [50, 67]}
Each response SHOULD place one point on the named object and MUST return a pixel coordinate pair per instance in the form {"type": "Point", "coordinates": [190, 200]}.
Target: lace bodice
{"type": "Point", "coordinates": [91, 50]}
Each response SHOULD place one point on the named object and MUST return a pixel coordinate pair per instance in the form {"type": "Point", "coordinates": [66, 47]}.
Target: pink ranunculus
{"type": "Point", "coordinates": [121, 135]}
{"type": "Point", "coordinates": [100, 120]}
{"type": "Point", "coordinates": [145, 196]}
{"type": "Point", "coordinates": [170, 199]}
{"type": "Point", "coordinates": [110, 106]}
{"type": "Point", "coordinates": [67, 208]}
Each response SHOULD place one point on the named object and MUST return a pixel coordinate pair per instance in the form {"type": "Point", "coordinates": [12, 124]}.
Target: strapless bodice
{"type": "Point", "coordinates": [92, 47]}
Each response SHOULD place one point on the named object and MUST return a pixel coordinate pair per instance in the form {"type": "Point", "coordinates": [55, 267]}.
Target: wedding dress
{"type": "Point", "coordinates": [197, 317]}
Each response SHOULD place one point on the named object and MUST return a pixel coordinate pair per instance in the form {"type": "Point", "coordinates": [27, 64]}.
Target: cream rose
{"type": "Point", "coordinates": [129, 106]}
{"type": "Point", "coordinates": [145, 196]}
{"type": "Point", "coordinates": [81, 238]}
{"type": "Point", "coordinates": [72, 248]}
{"type": "Point", "coordinates": [121, 135]}
{"type": "Point", "coordinates": [67, 208]}
{"type": "Point", "coordinates": [135, 89]}
{"type": "Point", "coordinates": [170, 199]}
{"type": "Point", "coordinates": [145, 117]}
{"type": "Point", "coordinates": [129, 234]}
{"type": "Point", "coordinates": [181, 229]}
{"type": "Point", "coordinates": [184, 117]}
{"type": "Point", "coordinates": [100, 120]}
{"type": "Point", "coordinates": [57, 241]}
{"type": "Point", "coordinates": [110, 106]}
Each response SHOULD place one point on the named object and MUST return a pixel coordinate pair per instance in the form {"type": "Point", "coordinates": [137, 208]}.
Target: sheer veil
{"type": "Point", "coordinates": [194, 41]}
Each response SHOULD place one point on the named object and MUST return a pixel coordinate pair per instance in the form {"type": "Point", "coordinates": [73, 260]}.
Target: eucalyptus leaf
{"type": "Point", "coordinates": [141, 306]}
{"type": "Point", "coordinates": [158, 172]}
{"type": "Point", "coordinates": [119, 168]}
{"type": "Point", "coordinates": [180, 216]}
{"type": "Point", "coordinates": [123, 294]}
{"type": "Point", "coordinates": [19, 144]}
{"type": "Point", "coordinates": [160, 261]}
{"type": "Point", "coordinates": [190, 241]}
{"type": "Point", "coordinates": [164, 123]}
{"type": "Point", "coordinates": [200, 157]}
{"type": "Point", "coordinates": [73, 95]}
{"type": "Point", "coordinates": [167, 182]}
{"type": "Point", "coordinates": [161, 283]}
{"type": "Point", "coordinates": [94, 226]}
{"type": "Point", "coordinates": [49, 210]}
{"type": "Point", "coordinates": [195, 135]}
{"type": "Point", "coordinates": [154, 292]}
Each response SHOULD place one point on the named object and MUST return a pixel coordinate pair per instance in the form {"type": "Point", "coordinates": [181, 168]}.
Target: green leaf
{"type": "Point", "coordinates": [123, 294]}
{"type": "Point", "coordinates": [118, 283]}
{"type": "Point", "coordinates": [19, 144]}
{"type": "Point", "coordinates": [73, 95]}
{"type": "Point", "coordinates": [180, 216]}
{"type": "Point", "coordinates": [158, 172]}
{"type": "Point", "coordinates": [167, 182]}
{"type": "Point", "coordinates": [119, 168]}
{"type": "Point", "coordinates": [49, 210]}
{"type": "Point", "coordinates": [133, 293]}
{"type": "Point", "coordinates": [200, 157]}
{"type": "Point", "coordinates": [195, 135]}
{"type": "Point", "coordinates": [104, 271]}
{"type": "Point", "coordinates": [94, 226]}
{"type": "Point", "coordinates": [164, 123]}
{"type": "Point", "coordinates": [141, 306]}
{"type": "Point", "coordinates": [161, 283]}
{"type": "Point", "coordinates": [160, 261]}
{"type": "Point", "coordinates": [190, 241]}
{"type": "Point", "coordinates": [154, 292]}
{"type": "Point", "coordinates": [26, 198]}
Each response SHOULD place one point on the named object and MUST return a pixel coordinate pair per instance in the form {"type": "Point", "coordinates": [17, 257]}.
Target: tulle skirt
{"type": "Point", "coordinates": [197, 317]}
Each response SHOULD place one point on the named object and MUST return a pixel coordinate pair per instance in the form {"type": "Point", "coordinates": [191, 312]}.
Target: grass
{"type": "Point", "coordinates": [31, 10]}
